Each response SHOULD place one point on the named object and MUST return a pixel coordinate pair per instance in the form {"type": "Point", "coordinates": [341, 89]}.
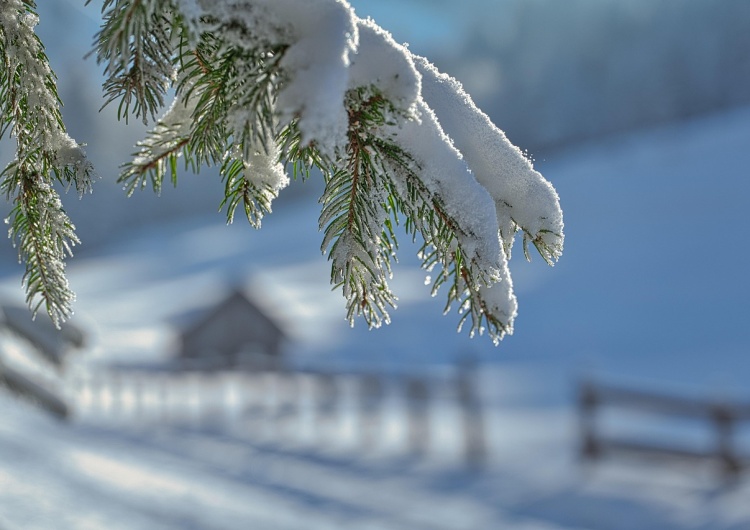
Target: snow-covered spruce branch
{"type": "Point", "coordinates": [45, 154]}
{"type": "Point", "coordinates": [309, 85]}
{"type": "Point", "coordinates": [262, 86]}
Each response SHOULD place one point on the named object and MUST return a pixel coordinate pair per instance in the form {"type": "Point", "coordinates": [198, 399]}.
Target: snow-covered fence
{"type": "Point", "coordinates": [722, 419]}
{"type": "Point", "coordinates": [364, 412]}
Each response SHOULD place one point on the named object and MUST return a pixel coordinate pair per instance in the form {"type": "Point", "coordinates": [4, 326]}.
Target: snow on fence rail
{"type": "Point", "coordinates": [721, 418]}
{"type": "Point", "coordinates": [367, 412]}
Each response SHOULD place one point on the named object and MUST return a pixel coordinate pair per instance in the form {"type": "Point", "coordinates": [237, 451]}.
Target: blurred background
{"type": "Point", "coordinates": [209, 380]}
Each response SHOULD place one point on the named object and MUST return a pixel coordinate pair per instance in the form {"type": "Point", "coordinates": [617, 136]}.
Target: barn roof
{"type": "Point", "coordinates": [237, 300]}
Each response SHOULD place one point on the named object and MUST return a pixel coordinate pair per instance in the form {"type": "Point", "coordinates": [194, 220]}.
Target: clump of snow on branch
{"type": "Point", "coordinates": [172, 130]}
{"type": "Point", "coordinates": [319, 36]}
{"type": "Point", "coordinates": [379, 61]}
{"type": "Point", "coordinates": [446, 176]}
{"type": "Point", "coordinates": [266, 170]}
{"type": "Point", "coordinates": [523, 198]}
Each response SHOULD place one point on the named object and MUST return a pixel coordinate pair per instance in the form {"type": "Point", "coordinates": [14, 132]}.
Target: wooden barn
{"type": "Point", "coordinates": [235, 333]}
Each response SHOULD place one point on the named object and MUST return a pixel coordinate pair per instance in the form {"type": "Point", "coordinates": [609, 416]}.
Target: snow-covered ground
{"type": "Point", "coordinates": [57, 476]}
{"type": "Point", "coordinates": [650, 290]}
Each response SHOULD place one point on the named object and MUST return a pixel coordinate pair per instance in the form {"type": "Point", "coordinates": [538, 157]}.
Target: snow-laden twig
{"type": "Point", "coordinates": [30, 113]}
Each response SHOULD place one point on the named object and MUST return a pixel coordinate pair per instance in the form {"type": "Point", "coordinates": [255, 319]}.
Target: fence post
{"type": "Point", "coordinates": [588, 401]}
{"type": "Point", "coordinates": [370, 403]}
{"type": "Point", "coordinates": [327, 398]}
{"type": "Point", "coordinates": [163, 398]}
{"type": "Point", "coordinates": [211, 393]}
{"type": "Point", "coordinates": [475, 445]}
{"type": "Point", "coordinates": [417, 399]}
{"type": "Point", "coordinates": [116, 404]}
{"type": "Point", "coordinates": [97, 392]}
{"type": "Point", "coordinates": [724, 421]}
{"type": "Point", "coordinates": [193, 399]}
{"type": "Point", "coordinates": [287, 408]}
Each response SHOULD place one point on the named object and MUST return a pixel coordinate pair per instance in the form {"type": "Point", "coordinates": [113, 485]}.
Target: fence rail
{"type": "Point", "coordinates": [721, 418]}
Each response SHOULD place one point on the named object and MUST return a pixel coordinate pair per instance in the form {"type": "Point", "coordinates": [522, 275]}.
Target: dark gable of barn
{"type": "Point", "coordinates": [234, 333]}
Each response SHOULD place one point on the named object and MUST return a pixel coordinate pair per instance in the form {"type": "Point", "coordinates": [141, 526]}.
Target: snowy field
{"type": "Point", "coordinates": [649, 291]}
{"type": "Point", "coordinates": [57, 476]}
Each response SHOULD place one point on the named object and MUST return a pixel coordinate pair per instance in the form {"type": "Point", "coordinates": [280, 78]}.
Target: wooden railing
{"type": "Point", "coordinates": [281, 401]}
{"type": "Point", "coordinates": [722, 418]}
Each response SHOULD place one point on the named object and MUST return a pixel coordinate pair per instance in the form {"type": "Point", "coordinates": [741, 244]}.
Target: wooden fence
{"type": "Point", "coordinates": [722, 419]}
{"type": "Point", "coordinates": [367, 409]}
